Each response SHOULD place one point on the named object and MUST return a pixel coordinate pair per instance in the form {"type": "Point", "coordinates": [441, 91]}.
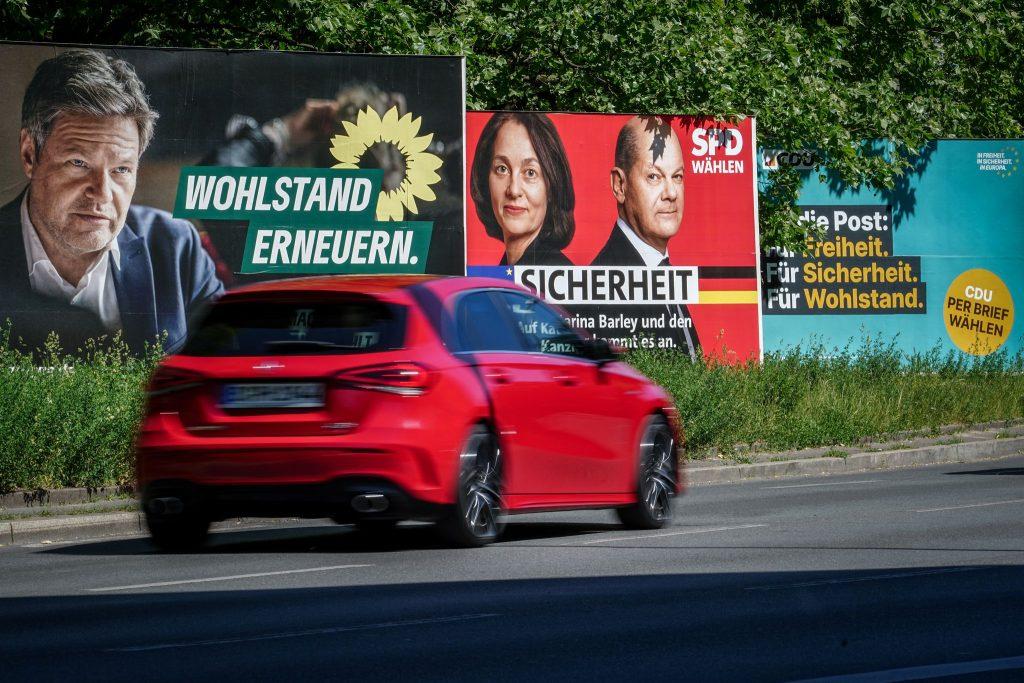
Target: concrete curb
{"type": "Point", "coordinates": [44, 497]}
{"type": "Point", "coordinates": [858, 462]}
{"type": "Point", "coordinates": [121, 524]}
{"type": "Point", "coordinates": [71, 527]}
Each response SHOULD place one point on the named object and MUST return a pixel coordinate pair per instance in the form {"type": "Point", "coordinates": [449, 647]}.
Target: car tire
{"type": "Point", "coordinates": [180, 533]}
{"type": "Point", "coordinates": [656, 484]}
{"type": "Point", "coordinates": [477, 517]}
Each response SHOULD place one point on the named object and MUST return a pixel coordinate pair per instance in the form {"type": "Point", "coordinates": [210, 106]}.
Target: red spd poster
{"type": "Point", "coordinates": [643, 229]}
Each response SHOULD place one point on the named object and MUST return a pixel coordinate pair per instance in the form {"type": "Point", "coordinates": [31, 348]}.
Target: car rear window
{"type": "Point", "coordinates": [255, 328]}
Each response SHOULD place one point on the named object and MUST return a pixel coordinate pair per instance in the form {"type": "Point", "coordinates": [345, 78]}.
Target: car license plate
{"type": "Point", "coordinates": [278, 395]}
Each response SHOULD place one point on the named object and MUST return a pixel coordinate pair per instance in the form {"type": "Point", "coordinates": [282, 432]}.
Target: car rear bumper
{"type": "Point", "coordinates": [416, 453]}
{"type": "Point", "coordinates": [344, 500]}
{"type": "Point", "coordinates": [286, 466]}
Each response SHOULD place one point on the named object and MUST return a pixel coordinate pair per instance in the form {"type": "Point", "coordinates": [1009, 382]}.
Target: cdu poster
{"type": "Point", "coordinates": [938, 261]}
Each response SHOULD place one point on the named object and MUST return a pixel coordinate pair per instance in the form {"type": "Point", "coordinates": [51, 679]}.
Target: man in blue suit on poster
{"type": "Point", "coordinates": [75, 256]}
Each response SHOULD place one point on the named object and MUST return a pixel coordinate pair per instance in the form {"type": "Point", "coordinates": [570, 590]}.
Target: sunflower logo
{"type": "Point", "coordinates": [391, 142]}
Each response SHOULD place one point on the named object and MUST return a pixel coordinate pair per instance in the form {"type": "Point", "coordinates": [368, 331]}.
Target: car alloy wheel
{"type": "Point", "coordinates": [657, 481]}
{"type": "Point", "coordinates": [478, 515]}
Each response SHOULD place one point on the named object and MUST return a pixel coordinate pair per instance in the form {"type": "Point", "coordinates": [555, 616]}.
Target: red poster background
{"type": "Point", "coordinates": [719, 226]}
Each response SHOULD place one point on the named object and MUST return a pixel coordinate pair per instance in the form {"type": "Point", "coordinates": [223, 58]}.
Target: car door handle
{"type": "Point", "coordinates": [567, 380]}
{"type": "Point", "coordinates": [497, 376]}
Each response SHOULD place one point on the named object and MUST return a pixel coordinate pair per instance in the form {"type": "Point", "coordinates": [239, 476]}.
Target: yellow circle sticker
{"type": "Point", "coordinates": [978, 311]}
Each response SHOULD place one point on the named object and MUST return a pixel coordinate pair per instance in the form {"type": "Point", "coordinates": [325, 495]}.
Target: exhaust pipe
{"type": "Point", "coordinates": [370, 502]}
{"type": "Point", "coordinates": [165, 506]}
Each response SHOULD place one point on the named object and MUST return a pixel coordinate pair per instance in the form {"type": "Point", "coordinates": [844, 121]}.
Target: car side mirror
{"type": "Point", "coordinates": [601, 351]}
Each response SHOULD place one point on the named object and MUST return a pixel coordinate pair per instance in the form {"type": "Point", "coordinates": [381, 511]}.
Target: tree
{"type": "Point", "coordinates": [826, 74]}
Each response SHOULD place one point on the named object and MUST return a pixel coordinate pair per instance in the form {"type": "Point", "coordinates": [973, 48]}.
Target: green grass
{"type": "Point", "coordinates": [69, 420]}
{"type": "Point", "coordinates": [823, 397]}
{"type": "Point", "coordinates": [835, 453]}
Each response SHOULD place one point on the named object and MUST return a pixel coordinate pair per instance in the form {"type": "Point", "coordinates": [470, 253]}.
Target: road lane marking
{"type": "Point", "coordinates": [829, 483]}
{"type": "Point", "coordinates": [161, 584]}
{"type": "Point", "coordinates": [674, 533]}
{"type": "Point", "coordinates": [973, 505]}
{"type": "Point", "coordinates": [302, 634]}
{"type": "Point", "coordinates": [916, 673]}
{"type": "Point", "coordinates": [860, 579]}
{"type": "Point", "coordinates": [47, 544]}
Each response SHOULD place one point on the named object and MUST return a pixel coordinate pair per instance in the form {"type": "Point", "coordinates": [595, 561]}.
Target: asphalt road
{"type": "Point", "coordinates": [918, 571]}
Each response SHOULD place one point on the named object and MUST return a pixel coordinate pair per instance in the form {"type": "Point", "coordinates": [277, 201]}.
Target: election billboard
{"type": "Point", "coordinates": [935, 262]}
{"type": "Point", "coordinates": [138, 184]}
{"type": "Point", "coordinates": [642, 228]}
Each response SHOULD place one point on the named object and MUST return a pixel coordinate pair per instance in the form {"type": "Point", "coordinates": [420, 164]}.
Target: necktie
{"type": "Point", "coordinates": [677, 310]}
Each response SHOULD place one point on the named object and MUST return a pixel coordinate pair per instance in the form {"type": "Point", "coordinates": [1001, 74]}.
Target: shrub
{"type": "Point", "coordinates": [69, 419]}
{"type": "Point", "coordinates": [815, 396]}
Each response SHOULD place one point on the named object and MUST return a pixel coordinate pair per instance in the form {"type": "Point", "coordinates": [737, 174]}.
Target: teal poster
{"type": "Point", "coordinates": [936, 262]}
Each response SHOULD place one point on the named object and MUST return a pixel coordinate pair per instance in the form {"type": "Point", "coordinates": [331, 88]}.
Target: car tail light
{"type": "Point", "coordinates": [404, 379]}
{"type": "Point", "coordinates": [169, 380]}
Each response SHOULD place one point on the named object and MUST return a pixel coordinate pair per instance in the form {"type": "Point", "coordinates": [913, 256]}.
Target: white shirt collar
{"type": "Point", "coordinates": [94, 292]}
{"type": "Point", "coordinates": [651, 256]}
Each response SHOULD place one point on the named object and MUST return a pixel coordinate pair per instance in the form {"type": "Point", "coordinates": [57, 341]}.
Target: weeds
{"type": "Point", "coordinates": [815, 396]}
{"type": "Point", "coordinates": [835, 453]}
{"type": "Point", "coordinates": [69, 419]}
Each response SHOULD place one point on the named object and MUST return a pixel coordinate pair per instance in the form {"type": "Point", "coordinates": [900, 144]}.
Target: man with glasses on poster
{"type": "Point", "coordinates": [76, 257]}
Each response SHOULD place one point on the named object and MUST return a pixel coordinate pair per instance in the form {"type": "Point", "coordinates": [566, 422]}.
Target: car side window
{"type": "Point", "coordinates": [542, 327]}
{"type": "Point", "coordinates": [482, 326]}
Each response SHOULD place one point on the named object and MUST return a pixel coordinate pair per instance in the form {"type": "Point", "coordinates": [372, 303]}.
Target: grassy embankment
{"type": "Point", "coordinates": [822, 397]}
{"type": "Point", "coordinates": [70, 422]}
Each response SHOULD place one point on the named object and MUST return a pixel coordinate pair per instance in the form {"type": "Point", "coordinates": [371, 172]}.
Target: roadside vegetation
{"type": "Point", "coordinates": [817, 396]}
{"type": "Point", "coordinates": [69, 421]}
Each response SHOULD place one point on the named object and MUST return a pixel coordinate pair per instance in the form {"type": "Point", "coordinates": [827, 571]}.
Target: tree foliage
{"type": "Point", "coordinates": [824, 74]}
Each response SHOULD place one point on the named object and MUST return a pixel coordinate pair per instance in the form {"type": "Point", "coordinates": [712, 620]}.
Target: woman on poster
{"type": "Point", "coordinates": [522, 188]}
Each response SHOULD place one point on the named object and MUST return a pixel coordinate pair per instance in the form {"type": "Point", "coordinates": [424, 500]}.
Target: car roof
{"type": "Point", "coordinates": [368, 284]}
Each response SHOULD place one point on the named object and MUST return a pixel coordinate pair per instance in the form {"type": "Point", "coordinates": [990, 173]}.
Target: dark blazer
{"type": "Point", "coordinates": [164, 278]}
{"type": "Point", "coordinates": [619, 251]}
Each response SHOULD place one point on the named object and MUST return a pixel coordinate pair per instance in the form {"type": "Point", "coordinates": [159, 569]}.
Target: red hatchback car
{"type": "Point", "coordinates": [371, 400]}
